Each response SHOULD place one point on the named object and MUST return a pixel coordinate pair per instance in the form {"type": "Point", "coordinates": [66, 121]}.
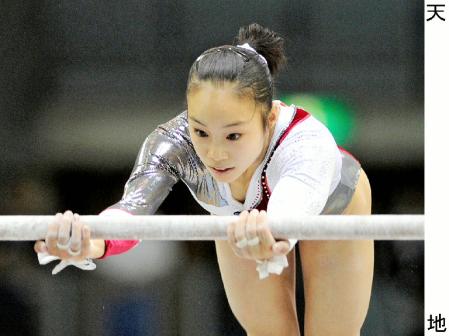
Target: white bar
{"type": "Point", "coordinates": [327, 227]}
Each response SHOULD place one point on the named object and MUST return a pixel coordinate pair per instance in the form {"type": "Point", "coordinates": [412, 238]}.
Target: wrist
{"type": "Point", "coordinates": [97, 248]}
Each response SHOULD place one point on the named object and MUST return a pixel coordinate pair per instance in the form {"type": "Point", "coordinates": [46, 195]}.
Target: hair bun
{"type": "Point", "coordinates": [266, 42]}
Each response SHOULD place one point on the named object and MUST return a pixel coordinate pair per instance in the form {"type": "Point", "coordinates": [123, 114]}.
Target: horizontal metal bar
{"type": "Point", "coordinates": [161, 227]}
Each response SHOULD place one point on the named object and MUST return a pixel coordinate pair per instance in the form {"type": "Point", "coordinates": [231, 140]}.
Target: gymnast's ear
{"type": "Point", "coordinates": [273, 115]}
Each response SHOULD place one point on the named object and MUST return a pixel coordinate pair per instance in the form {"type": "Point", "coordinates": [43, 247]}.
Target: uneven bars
{"type": "Point", "coordinates": [162, 227]}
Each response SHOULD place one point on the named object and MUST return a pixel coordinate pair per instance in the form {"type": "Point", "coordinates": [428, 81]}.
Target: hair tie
{"type": "Point", "coordinates": [248, 47]}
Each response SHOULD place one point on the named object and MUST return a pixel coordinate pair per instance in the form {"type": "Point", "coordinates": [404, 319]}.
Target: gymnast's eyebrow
{"type": "Point", "coordinates": [237, 123]}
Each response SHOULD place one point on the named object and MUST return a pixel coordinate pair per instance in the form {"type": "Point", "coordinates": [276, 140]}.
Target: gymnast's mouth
{"type": "Point", "coordinates": [221, 170]}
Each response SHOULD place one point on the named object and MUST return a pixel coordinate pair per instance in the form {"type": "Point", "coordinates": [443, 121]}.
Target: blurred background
{"type": "Point", "coordinates": [83, 82]}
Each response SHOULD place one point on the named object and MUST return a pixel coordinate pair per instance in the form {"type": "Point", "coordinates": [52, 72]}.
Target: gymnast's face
{"type": "Point", "coordinates": [227, 131]}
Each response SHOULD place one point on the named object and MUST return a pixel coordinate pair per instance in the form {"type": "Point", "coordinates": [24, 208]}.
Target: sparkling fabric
{"type": "Point", "coordinates": [167, 156]}
{"type": "Point", "coordinates": [313, 175]}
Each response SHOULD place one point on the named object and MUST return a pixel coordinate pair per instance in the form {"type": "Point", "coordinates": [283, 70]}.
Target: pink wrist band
{"type": "Point", "coordinates": [113, 247]}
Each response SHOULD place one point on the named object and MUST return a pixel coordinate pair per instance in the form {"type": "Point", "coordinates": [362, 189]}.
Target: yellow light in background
{"type": "Point", "coordinates": [333, 112]}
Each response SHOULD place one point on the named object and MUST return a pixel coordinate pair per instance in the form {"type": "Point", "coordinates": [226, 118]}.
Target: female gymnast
{"type": "Point", "coordinates": [240, 152]}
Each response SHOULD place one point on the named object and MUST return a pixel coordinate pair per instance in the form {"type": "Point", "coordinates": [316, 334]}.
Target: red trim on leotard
{"type": "Point", "coordinates": [345, 151]}
{"type": "Point", "coordinates": [300, 116]}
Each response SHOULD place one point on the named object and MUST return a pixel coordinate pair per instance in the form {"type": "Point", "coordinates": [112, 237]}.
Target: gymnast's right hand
{"type": "Point", "coordinates": [69, 240]}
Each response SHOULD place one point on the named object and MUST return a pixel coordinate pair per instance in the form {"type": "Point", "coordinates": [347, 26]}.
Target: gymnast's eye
{"type": "Point", "coordinates": [200, 133]}
{"type": "Point", "coordinates": [234, 136]}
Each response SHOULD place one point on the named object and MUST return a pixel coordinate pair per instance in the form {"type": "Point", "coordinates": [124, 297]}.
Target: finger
{"type": "Point", "coordinates": [251, 229]}
{"type": "Point", "coordinates": [85, 240]}
{"type": "Point", "coordinates": [240, 230]}
{"type": "Point", "coordinates": [231, 234]}
{"type": "Point", "coordinates": [263, 231]}
{"type": "Point", "coordinates": [40, 247]}
{"type": "Point", "coordinates": [231, 238]}
{"type": "Point", "coordinates": [281, 247]}
{"type": "Point", "coordinates": [64, 231]}
{"type": "Point", "coordinates": [76, 236]}
{"type": "Point", "coordinates": [52, 234]}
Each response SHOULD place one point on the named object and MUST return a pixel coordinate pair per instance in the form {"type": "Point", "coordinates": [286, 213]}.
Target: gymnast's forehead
{"type": "Point", "coordinates": [212, 105]}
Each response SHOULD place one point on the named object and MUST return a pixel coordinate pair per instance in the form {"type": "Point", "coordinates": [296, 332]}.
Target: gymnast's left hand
{"type": "Point", "coordinates": [67, 238]}
{"type": "Point", "coordinates": [69, 241]}
{"type": "Point", "coordinates": [251, 238]}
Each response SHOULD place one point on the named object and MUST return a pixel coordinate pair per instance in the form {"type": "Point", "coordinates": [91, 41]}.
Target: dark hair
{"type": "Point", "coordinates": [229, 63]}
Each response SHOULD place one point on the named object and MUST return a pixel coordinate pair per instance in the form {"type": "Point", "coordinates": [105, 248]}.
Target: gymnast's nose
{"type": "Point", "coordinates": [217, 153]}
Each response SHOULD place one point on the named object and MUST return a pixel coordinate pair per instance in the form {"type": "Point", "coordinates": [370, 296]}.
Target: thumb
{"type": "Point", "coordinates": [40, 247]}
{"type": "Point", "coordinates": [281, 247]}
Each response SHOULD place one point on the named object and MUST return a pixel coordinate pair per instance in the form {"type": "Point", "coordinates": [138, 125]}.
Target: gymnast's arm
{"type": "Point", "coordinates": [155, 171]}
{"type": "Point", "coordinates": [309, 162]}
{"type": "Point", "coordinates": [157, 168]}
{"type": "Point", "coordinates": [151, 180]}
{"type": "Point", "coordinates": [305, 165]}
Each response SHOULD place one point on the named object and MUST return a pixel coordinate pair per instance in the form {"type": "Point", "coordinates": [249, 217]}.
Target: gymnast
{"type": "Point", "coordinates": [242, 153]}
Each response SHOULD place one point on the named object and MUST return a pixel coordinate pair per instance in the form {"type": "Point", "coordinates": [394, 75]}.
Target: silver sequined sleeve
{"type": "Point", "coordinates": [158, 167]}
